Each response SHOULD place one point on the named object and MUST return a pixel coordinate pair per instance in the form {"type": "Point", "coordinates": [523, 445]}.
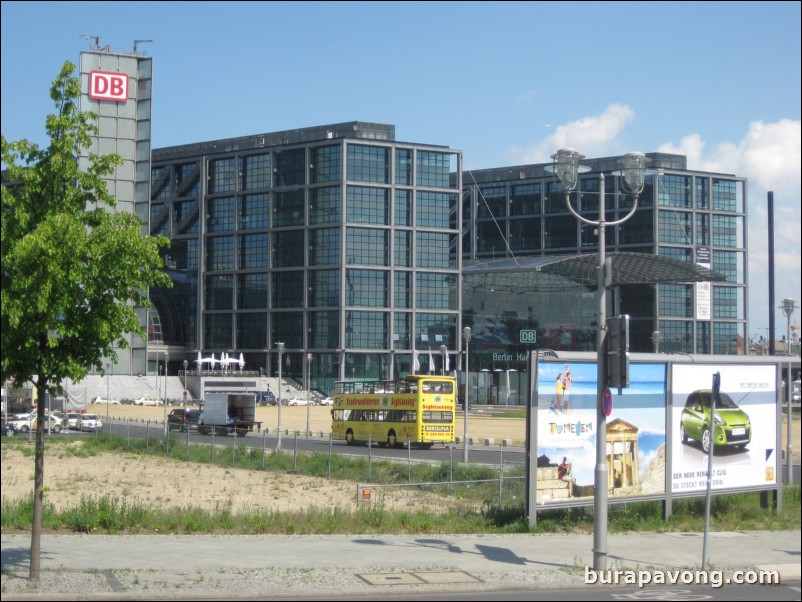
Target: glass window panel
{"type": "Point", "coordinates": [219, 333]}
{"type": "Point", "coordinates": [433, 250]}
{"type": "Point", "coordinates": [222, 175]}
{"type": "Point", "coordinates": [403, 248]}
{"type": "Point", "coordinates": [728, 302]}
{"type": "Point", "coordinates": [368, 163]}
{"type": "Point", "coordinates": [325, 329]}
{"type": "Point", "coordinates": [638, 229]}
{"type": "Point", "coordinates": [674, 191]}
{"type": "Point", "coordinates": [402, 336]}
{"type": "Point", "coordinates": [325, 205]}
{"type": "Point", "coordinates": [702, 193]}
{"type": "Point", "coordinates": [288, 289]}
{"type": "Point", "coordinates": [490, 240]}
{"type": "Point", "coordinates": [290, 168]}
{"type": "Point", "coordinates": [436, 209]}
{"type": "Point", "coordinates": [252, 331]}
{"type": "Point", "coordinates": [403, 207]}
{"type": "Point", "coordinates": [727, 195]}
{"type": "Point", "coordinates": [221, 215]}
{"type": "Point", "coordinates": [324, 246]}
{"type": "Point", "coordinates": [727, 231]}
{"type": "Point", "coordinates": [367, 287]}
{"type": "Point", "coordinates": [368, 205]}
{"type": "Point", "coordinates": [525, 199]}
{"type": "Point", "coordinates": [676, 300]}
{"type": "Point", "coordinates": [726, 338]}
{"type": "Point", "coordinates": [253, 251]}
{"type": "Point", "coordinates": [288, 208]}
{"type": "Point", "coordinates": [525, 234]}
{"type": "Point", "coordinates": [676, 336]}
{"type": "Point", "coordinates": [324, 288]}
{"type": "Point", "coordinates": [219, 253]}
{"type": "Point", "coordinates": [254, 211]}
{"type": "Point", "coordinates": [433, 330]}
{"type": "Point", "coordinates": [367, 246]}
{"type": "Point", "coordinates": [289, 248]}
{"type": "Point", "coordinates": [403, 166]}
{"type": "Point", "coordinates": [675, 227]}
{"type": "Point", "coordinates": [220, 291]}
{"type": "Point", "coordinates": [402, 291]}
{"type": "Point", "coordinates": [560, 231]}
{"type": "Point", "coordinates": [492, 202]}
{"type": "Point", "coordinates": [366, 330]}
{"type": "Point", "coordinates": [326, 164]}
{"type": "Point", "coordinates": [434, 169]}
{"type": "Point", "coordinates": [730, 264]}
{"type": "Point", "coordinates": [252, 293]}
{"type": "Point", "coordinates": [255, 172]}
{"type": "Point", "coordinates": [436, 291]}
{"type": "Point", "coordinates": [288, 327]}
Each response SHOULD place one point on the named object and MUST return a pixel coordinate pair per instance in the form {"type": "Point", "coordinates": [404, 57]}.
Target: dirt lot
{"type": "Point", "coordinates": [167, 483]}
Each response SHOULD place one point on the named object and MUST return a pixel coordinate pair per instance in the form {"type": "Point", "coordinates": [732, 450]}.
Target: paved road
{"type": "Point", "coordinates": [158, 566]}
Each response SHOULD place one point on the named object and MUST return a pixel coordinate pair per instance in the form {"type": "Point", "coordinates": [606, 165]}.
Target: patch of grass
{"type": "Point", "coordinates": [473, 499]}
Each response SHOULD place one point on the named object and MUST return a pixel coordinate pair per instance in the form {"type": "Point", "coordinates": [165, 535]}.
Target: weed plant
{"type": "Point", "coordinates": [473, 486]}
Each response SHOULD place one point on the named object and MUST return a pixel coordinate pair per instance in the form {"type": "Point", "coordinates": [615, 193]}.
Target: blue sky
{"type": "Point", "coordinates": [505, 82]}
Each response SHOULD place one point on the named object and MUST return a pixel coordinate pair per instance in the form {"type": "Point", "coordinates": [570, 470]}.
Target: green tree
{"type": "Point", "coordinates": [72, 270]}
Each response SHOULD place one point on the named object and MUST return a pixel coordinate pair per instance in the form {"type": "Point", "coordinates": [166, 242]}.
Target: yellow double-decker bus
{"type": "Point", "coordinates": [420, 409]}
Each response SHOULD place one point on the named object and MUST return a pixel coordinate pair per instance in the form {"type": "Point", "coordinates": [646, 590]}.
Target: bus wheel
{"type": "Point", "coordinates": [391, 439]}
{"type": "Point", "coordinates": [349, 437]}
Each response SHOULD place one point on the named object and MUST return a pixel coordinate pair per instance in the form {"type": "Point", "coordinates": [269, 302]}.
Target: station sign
{"type": "Point", "coordinates": [104, 85]}
{"type": "Point", "coordinates": [527, 336]}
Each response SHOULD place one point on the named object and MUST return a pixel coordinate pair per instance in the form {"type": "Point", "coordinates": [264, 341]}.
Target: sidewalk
{"type": "Point", "coordinates": [198, 566]}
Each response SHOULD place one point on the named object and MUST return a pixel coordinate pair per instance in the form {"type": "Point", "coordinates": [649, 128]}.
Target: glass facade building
{"type": "Point", "coordinates": [373, 254]}
{"type": "Point", "coordinates": [689, 216]}
{"type": "Point", "coordinates": [337, 241]}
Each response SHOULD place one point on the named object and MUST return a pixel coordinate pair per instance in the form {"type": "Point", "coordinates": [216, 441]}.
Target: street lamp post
{"type": "Point", "coordinates": [164, 401]}
{"type": "Point", "coordinates": [656, 336]}
{"type": "Point", "coordinates": [466, 334]}
{"type": "Point", "coordinates": [280, 348]}
{"type": "Point", "coordinates": [185, 395]}
{"type": "Point", "coordinates": [567, 167]}
{"type": "Point", "coordinates": [788, 307]}
{"type": "Point", "coordinates": [108, 400]}
{"type": "Point", "coordinates": [308, 386]}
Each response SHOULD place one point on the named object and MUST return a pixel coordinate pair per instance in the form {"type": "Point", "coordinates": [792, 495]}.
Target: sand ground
{"type": "Point", "coordinates": [162, 482]}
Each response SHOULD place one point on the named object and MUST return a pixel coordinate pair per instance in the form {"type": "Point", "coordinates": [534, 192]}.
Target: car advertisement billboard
{"type": "Point", "coordinates": [567, 430]}
{"type": "Point", "coordinates": [744, 433]}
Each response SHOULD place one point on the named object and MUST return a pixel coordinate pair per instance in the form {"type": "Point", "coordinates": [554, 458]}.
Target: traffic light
{"type": "Point", "coordinates": [618, 351]}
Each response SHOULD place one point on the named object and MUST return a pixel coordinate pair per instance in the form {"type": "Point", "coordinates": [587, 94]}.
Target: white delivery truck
{"type": "Point", "coordinates": [225, 413]}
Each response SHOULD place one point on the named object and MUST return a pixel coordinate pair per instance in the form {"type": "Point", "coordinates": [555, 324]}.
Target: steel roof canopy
{"type": "Point", "coordinates": [627, 268]}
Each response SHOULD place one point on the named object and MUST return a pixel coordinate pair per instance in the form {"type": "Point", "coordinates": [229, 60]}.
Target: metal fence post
{"type": "Point", "coordinates": [370, 457]}
{"type": "Point", "coordinates": [295, 454]}
{"type": "Point", "coordinates": [330, 451]}
{"type": "Point", "coordinates": [409, 459]}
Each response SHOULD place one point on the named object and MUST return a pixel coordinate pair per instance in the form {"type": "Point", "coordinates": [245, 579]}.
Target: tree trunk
{"type": "Point", "coordinates": [38, 479]}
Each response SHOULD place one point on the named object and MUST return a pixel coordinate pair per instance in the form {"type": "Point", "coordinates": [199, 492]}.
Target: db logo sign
{"type": "Point", "coordinates": [108, 86]}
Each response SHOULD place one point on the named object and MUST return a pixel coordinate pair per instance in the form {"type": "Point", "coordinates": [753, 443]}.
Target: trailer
{"type": "Point", "coordinates": [227, 413]}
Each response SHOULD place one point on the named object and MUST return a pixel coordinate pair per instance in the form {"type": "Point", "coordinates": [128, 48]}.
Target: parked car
{"type": "Point", "coordinates": [8, 429]}
{"type": "Point", "coordinates": [183, 420]}
{"type": "Point", "coordinates": [89, 422]}
{"type": "Point", "coordinates": [326, 401]}
{"type": "Point", "coordinates": [731, 423]}
{"type": "Point", "coordinates": [266, 398]}
{"type": "Point", "coordinates": [101, 400]}
{"type": "Point", "coordinates": [300, 401]}
{"type": "Point", "coordinates": [71, 420]}
{"type": "Point", "coordinates": [28, 424]}
{"type": "Point", "coordinates": [147, 400]}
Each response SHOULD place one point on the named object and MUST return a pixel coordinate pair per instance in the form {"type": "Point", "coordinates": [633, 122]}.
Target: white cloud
{"type": "Point", "coordinates": [596, 136]}
{"type": "Point", "coordinates": [769, 157]}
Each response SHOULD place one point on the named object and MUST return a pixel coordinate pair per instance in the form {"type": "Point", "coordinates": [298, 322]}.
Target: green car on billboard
{"type": "Point", "coordinates": [731, 423]}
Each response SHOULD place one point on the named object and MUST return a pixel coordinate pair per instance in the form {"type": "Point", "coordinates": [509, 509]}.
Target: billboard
{"type": "Point", "coordinates": [567, 430]}
{"type": "Point", "coordinates": [744, 434]}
